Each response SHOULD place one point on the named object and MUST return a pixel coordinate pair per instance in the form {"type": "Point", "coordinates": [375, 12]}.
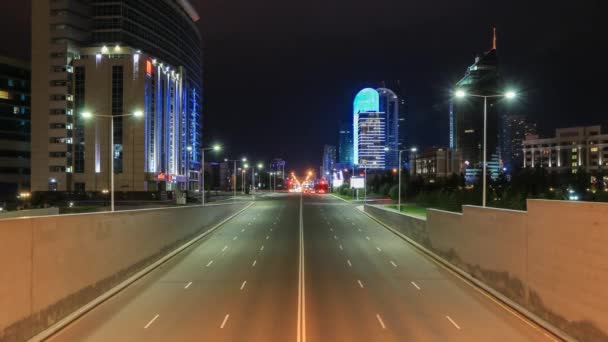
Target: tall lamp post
{"type": "Point", "coordinates": [508, 95]}
{"type": "Point", "coordinates": [213, 148]}
{"type": "Point", "coordinates": [413, 149]}
{"type": "Point", "coordinates": [89, 115]}
{"type": "Point", "coordinates": [260, 167]}
{"type": "Point", "coordinates": [234, 185]}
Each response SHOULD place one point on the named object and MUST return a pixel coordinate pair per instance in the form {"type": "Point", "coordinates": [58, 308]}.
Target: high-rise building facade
{"type": "Point", "coordinates": [328, 160]}
{"type": "Point", "coordinates": [113, 59]}
{"type": "Point", "coordinates": [372, 140]}
{"type": "Point", "coordinates": [389, 105]}
{"type": "Point", "coordinates": [345, 144]}
{"type": "Point", "coordinates": [375, 110]}
{"type": "Point", "coordinates": [570, 149]}
{"type": "Point", "coordinates": [14, 127]}
{"type": "Point", "coordinates": [369, 130]}
{"type": "Point", "coordinates": [466, 116]}
{"type": "Point", "coordinates": [514, 131]}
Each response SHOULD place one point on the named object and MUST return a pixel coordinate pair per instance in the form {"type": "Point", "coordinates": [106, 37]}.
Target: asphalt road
{"type": "Point", "coordinates": [251, 280]}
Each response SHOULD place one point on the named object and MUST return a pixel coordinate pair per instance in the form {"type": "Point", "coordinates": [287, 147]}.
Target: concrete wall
{"type": "Point", "coordinates": [52, 265]}
{"type": "Point", "coordinates": [29, 212]}
{"type": "Point", "coordinates": [552, 259]}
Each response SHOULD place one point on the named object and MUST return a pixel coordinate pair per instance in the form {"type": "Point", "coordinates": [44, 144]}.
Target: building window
{"type": "Point", "coordinates": [79, 104]}
{"type": "Point", "coordinates": [117, 109]}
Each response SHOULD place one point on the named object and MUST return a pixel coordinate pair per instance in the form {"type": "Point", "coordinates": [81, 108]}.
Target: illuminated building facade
{"type": "Point", "coordinates": [116, 58]}
{"type": "Point", "coordinates": [369, 130]}
{"type": "Point", "coordinates": [570, 149]}
{"type": "Point", "coordinates": [14, 128]}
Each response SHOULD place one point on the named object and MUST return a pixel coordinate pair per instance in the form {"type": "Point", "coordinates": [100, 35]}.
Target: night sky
{"type": "Point", "coordinates": [279, 75]}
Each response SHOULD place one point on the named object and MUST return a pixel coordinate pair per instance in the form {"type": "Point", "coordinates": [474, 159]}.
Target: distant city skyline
{"type": "Point", "coordinates": [240, 63]}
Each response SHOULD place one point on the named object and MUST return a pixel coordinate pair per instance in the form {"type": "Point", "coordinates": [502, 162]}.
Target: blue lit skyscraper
{"type": "Point", "coordinates": [366, 101]}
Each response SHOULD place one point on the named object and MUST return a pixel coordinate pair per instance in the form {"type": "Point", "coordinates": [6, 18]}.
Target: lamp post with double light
{"type": "Point", "coordinates": [89, 115]}
{"type": "Point", "coordinates": [460, 93]}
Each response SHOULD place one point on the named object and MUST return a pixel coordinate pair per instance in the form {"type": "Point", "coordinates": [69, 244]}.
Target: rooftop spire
{"type": "Point", "coordinates": [494, 40]}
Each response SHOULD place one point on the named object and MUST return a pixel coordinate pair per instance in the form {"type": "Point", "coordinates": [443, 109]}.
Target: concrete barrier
{"type": "Point", "coordinates": [52, 265]}
{"type": "Point", "coordinates": [551, 260]}
{"type": "Point", "coordinates": [29, 213]}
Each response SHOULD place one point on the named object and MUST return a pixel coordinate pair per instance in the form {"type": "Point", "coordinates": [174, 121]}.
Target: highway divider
{"type": "Point", "coordinates": [51, 266]}
{"type": "Point", "coordinates": [548, 263]}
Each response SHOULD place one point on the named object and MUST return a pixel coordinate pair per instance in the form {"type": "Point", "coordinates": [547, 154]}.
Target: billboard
{"type": "Point", "coordinates": [357, 182]}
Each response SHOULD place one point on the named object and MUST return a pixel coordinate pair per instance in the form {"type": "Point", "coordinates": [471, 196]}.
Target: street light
{"type": "Point", "coordinates": [234, 185]}
{"type": "Point", "coordinates": [260, 167]}
{"type": "Point", "coordinates": [216, 148]}
{"type": "Point", "coordinates": [411, 149]}
{"type": "Point", "coordinates": [508, 95]}
{"type": "Point", "coordinates": [89, 115]}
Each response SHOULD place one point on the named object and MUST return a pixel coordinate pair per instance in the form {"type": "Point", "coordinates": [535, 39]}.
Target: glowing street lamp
{"type": "Point", "coordinates": [460, 93]}
{"type": "Point", "coordinates": [215, 148]}
{"type": "Point", "coordinates": [89, 115]}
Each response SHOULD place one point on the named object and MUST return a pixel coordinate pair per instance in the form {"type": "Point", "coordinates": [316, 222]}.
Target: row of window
{"type": "Point", "coordinates": [14, 154]}
{"type": "Point", "coordinates": [15, 170]}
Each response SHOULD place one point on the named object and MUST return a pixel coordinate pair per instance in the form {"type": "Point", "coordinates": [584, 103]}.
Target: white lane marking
{"type": "Point", "coordinates": [254, 218]}
{"type": "Point", "coordinates": [267, 237]}
{"type": "Point", "coordinates": [224, 321]}
{"type": "Point", "coordinates": [242, 230]}
{"type": "Point", "coordinates": [270, 229]}
{"type": "Point", "coordinates": [151, 321]}
{"type": "Point", "coordinates": [262, 248]}
{"type": "Point", "coordinates": [225, 248]}
{"type": "Point", "coordinates": [416, 286]}
{"type": "Point", "coordinates": [243, 285]}
{"type": "Point", "coordinates": [349, 264]}
{"type": "Point", "coordinates": [360, 283]}
{"type": "Point", "coordinates": [360, 229]}
{"type": "Point", "coordinates": [367, 237]}
{"type": "Point", "coordinates": [301, 281]}
{"type": "Point", "coordinates": [379, 249]}
{"type": "Point", "coordinates": [380, 321]}
{"type": "Point", "coordinates": [274, 223]}
{"type": "Point", "coordinates": [188, 285]}
{"type": "Point", "coordinates": [393, 263]}
{"type": "Point", "coordinates": [254, 262]}
{"type": "Point", "coordinates": [340, 246]}
{"type": "Point", "coordinates": [234, 238]}
{"type": "Point", "coordinates": [210, 262]}
{"type": "Point", "coordinates": [331, 229]}
{"type": "Point", "coordinates": [452, 321]}
{"type": "Point", "coordinates": [335, 237]}
{"type": "Point", "coordinates": [249, 224]}
{"type": "Point", "coordinates": [353, 223]}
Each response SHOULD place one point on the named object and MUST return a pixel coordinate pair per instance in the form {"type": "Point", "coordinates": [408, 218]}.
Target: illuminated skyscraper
{"type": "Point", "coordinates": [389, 105]}
{"type": "Point", "coordinates": [112, 58]}
{"type": "Point", "coordinates": [372, 139]}
{"type": "Point", "coordinates": [345, 144]}
{"type": "Point", "coordinates": [329, 160]}
{"type": "Point", "coordinates": [466, 117]}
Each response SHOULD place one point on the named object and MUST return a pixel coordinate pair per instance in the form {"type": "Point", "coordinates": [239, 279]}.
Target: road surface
{"type": "Point", "coordinates": [300, 268]}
